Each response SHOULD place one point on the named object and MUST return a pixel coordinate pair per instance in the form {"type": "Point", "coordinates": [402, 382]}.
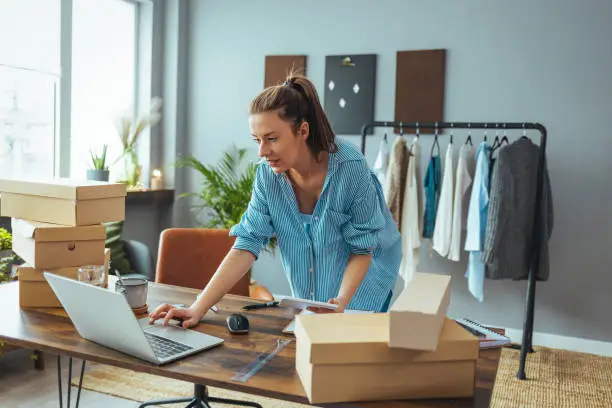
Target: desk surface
{"type": "Point", "coordinates": [51, 330]}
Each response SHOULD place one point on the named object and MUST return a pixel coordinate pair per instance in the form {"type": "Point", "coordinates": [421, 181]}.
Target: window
{"type": "Point", "coordinates": [29, 78]}
{"type": "Point", "coordinates": [52, 116]}
{"type": "Point", "coordinates": [103, 79]}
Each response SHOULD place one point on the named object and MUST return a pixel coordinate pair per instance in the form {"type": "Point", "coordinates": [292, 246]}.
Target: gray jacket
{"type": "Point", "coordinates": [510, 219]}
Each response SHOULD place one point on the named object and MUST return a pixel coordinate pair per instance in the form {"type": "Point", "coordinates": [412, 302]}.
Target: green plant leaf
{"type": "Point", "coordinates": [225, 190]}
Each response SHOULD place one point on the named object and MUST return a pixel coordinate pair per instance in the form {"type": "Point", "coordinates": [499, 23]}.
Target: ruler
{"type": "Point", "coordinates": [253, 367]}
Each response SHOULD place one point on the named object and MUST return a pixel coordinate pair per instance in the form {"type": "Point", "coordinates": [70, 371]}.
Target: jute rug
{"type": "Point", "coordinates": [557, 379]}
{"type": "Point", "coordinates": [142, 387]}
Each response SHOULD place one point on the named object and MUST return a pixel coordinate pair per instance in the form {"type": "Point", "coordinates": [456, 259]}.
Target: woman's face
{"type": "Point", "coordinates": [278, 145]}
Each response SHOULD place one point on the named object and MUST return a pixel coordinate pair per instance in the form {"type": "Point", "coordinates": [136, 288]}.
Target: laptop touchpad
{"type": "Point", "coordinates": [185, 336]}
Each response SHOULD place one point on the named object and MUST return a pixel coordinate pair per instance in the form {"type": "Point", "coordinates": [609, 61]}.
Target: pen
{"type": "Point", "coordinates": [260, 305]}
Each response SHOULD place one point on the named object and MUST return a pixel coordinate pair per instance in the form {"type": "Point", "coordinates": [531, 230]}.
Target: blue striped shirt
{"type": "Point", "coordinates": [350, 217]}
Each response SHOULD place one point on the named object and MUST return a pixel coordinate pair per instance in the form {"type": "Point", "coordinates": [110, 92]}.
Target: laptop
{"type": "Point", "coordinates": [105, 317]}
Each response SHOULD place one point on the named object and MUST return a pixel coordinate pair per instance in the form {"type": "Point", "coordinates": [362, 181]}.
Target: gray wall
{"type": "Point", "coordinates": [548, 61]}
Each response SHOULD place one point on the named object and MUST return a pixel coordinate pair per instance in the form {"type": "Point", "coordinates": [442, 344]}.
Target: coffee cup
{"type": "Point", "coordinates": [135, 291]}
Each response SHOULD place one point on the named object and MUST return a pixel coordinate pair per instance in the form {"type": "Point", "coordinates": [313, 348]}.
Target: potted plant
{"type": "Point", "coordinates": [99, 169]}
{"type": "Point", "coordinates": [8, 258]}
{"type": "Point", "coordinates": [129, 131]}
{"type": "Point", "coordinates": [226, 190]}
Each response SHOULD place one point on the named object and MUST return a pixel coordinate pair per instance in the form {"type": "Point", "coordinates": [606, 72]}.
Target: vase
{"type": "Point", "coordinates": [132, 169]}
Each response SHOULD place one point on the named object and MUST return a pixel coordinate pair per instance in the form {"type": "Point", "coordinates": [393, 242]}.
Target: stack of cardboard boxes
{"type": "Point", "coordinates": [413, 351]}
{"type": "Point", "coordinates": [57, 226]}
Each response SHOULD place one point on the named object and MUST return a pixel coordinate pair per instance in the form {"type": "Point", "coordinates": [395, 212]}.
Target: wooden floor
{"type": "Point", "coordinates": [22, 386]}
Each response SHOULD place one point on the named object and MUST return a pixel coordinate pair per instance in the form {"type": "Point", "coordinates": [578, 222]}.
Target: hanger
{"type": "Point", "coordinates": [401, 129]}
{"type": "Point", "coordinates": [451, 133]}
{"type": "Point", "coordinates": [485, 132]}
{"type": "Point", "coordinates": [524, 132]}
{"type": "Point", "coordinates": [499, 143]}
{"type": "Point", "coordinates": [469, 138]}
{"type": "Point", "coordinates": [505, 137]}
{"type": "Point", "coordinates": [385, 136]}
{"type": "Point", "coordinates": [496, 140]}
{"type": "Point", "coordinates": [435, 143]}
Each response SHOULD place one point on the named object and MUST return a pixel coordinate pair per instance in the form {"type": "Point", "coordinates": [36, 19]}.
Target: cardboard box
{"type": "Point", "coordinates": [423, 304]}
{"type": "Point", "coordinates": [34, 291]}
{"type": "Point", "coordinates": [346, 358]}
{"type": "Point", "coordinates": [52, 246]}
{"type": "Point", "coordinates": [63, 201]}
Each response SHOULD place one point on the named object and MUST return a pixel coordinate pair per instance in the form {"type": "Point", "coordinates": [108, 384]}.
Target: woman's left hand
{"type": "Point", "coordinates": [335, 301]}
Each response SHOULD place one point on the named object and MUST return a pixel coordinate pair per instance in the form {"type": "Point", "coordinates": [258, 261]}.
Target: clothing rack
{"type": "Point", "coordinates": [526, 344]}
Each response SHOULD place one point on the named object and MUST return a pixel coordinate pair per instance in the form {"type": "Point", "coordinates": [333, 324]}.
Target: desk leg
{"type": "Point", "coordinates": [59, 382]}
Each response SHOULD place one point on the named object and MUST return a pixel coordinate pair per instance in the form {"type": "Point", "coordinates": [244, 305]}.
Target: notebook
{"type": "Point", "coordinates": [488, 338]}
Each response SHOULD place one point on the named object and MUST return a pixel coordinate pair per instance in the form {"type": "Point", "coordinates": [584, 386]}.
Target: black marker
{"type": "Point", "coordinates": [260, 305]}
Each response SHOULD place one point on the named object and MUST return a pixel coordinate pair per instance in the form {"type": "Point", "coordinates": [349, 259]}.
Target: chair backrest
{"type": "Point", "coordinates": [189, 257]}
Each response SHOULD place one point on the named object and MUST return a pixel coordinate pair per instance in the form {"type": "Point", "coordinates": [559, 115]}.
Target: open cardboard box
{"type": "Point", "coordinates": [346, 358]}
{"type": "Point", "coordinates": [63, 201]}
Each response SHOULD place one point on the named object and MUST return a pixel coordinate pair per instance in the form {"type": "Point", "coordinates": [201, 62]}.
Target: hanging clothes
{"type": "Point", "coordinates": [461, 201]}
{"type": "Point", "coordinates": [432, 195]}
{"type": "Point", "coordinates": [476, 222]}
{"type": "Point", "coordinates": [411, 215]}
{"type": "Point", "coordinates": [510, 218]}
{"type": "Point", "coordinates": [444, 216]}
{"type": "Point", "coordinates": [381, 164]}
{"type": "Point", "coordinates": [395, 180]}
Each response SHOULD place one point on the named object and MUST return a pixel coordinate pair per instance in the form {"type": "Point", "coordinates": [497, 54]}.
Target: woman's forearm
{"type": "Point", "coordinates": [356, 269]}
{"type": "Point", "coordinates": [236, 263]}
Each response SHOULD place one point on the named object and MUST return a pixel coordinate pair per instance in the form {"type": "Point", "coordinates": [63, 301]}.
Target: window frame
{"type": "Point", "coordinates": [144, 26]}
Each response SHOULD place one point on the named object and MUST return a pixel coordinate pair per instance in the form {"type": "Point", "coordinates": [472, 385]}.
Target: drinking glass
{"type": "Point", "coordinates": [92, 274]}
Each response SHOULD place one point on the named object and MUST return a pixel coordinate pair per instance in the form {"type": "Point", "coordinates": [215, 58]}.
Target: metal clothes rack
{"type": "Point", "coordinates": [526, 345]}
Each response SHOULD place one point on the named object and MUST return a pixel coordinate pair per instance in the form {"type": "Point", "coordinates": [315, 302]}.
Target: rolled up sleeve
{"type": "Point", "coordinates": [366, 216]}
{"type": "Point", "coordinates": [255, 228]}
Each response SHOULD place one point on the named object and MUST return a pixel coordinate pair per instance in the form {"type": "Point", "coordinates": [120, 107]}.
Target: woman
{"type": "Point", "coordinates": [317, 195]}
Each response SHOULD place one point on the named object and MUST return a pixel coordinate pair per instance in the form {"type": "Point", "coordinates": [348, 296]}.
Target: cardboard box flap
{"type": "Point", "coordinates": [423, 294]}
{"type": "Point", "coordinates": [363, 338]}
{"type": "Point", "coordinates": [64, 188]}
{"type": "Point", "coordinates": [43, 232]}
{"type": "Point", "coordinates": [423, 303]}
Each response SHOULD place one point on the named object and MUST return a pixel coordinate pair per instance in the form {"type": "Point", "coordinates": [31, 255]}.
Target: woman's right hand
{"type": "Point", "coordinates": [188, 316]}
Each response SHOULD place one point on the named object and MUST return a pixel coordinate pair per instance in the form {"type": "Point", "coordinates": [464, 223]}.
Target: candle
{"type": "Point", "coordinates": [156, 180]}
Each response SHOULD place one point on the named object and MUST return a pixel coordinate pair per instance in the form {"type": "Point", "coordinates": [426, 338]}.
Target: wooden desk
{"type": "Point", "coordinates": [51, 330]}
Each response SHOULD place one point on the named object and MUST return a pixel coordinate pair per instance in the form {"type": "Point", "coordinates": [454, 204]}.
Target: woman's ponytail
{"type": "Point", "coordinates": [297, 100]}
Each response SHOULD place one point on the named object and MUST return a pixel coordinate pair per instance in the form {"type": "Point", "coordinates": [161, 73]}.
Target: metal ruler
{"type": "Point", "coordinates": [253, 367]}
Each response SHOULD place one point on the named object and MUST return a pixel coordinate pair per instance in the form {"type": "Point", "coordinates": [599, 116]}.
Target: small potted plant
{"type": "Point", "coordinates": [99, 169]}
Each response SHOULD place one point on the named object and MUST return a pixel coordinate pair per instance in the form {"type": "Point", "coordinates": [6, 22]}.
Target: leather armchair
{"type": "Point", "coordinates": [189, 257]}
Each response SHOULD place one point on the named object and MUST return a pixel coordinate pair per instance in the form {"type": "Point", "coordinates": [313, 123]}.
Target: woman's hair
{"type": "Point", "coordinates": [296, 101]}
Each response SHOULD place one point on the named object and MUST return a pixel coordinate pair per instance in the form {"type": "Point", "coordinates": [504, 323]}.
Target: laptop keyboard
{"type": "Point", "coordinates": [163, 347]}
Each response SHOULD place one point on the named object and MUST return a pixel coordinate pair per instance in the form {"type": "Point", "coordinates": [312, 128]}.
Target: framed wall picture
{"type": "Point", "coordinates": [279, 66]}
{"type": "Point", "coordinates": [350, 82]}
{"type": "Point", "coordinates": [419, 87]}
